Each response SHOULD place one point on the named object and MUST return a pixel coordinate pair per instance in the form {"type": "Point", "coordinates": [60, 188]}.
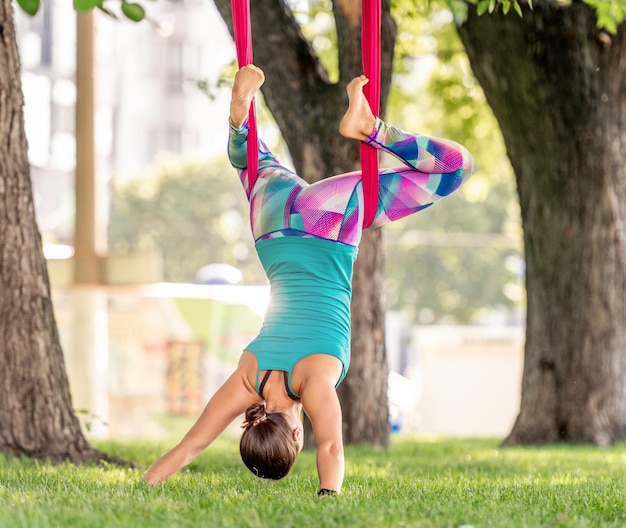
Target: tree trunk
{"type": "Point", "coordinates": [307, 108]}
{"type": "Point", "coordinates": [556, 86]}
{"type": "Point", "coordinates": [36, 415]}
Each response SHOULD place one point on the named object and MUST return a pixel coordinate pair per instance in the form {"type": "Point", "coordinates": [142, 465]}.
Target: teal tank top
{"type": "Point", "coordinates": [309, 308]}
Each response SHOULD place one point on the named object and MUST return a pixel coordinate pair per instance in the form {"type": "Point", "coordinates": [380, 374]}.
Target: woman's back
{"type": "Point", "coordinates": [309, 309]}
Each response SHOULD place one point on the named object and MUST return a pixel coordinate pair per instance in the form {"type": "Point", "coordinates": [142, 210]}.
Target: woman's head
{"type": "Point", "coordinates": [269, 444]}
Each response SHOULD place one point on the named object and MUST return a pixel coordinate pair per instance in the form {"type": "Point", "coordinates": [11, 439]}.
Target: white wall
{"type": "Point", "coordinates": [469, 379]}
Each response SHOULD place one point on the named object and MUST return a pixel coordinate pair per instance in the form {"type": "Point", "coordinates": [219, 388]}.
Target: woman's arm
{"type": "Point", "coordinates": [230, 401]}
{"type": "Point", "coordinates": [321, 404]}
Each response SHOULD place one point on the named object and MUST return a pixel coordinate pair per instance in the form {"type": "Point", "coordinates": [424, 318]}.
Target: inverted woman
{"type": "Point", "coordinates": [307, 239]}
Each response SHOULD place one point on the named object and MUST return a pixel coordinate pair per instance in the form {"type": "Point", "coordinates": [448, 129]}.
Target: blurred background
{"type": "Point", "coordinates": [182, 291]}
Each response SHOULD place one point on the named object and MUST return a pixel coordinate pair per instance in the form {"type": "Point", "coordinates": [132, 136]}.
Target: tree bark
{"type": "Point", "coordinates": [556, 85]}
{"type": "Point", "coordinates": [36, 414]}
{"type": "Point", "coordinates": [307, 108]}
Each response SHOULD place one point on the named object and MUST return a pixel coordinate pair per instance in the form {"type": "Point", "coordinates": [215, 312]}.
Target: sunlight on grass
{"type": "Point", "coordinates": [416, 483]}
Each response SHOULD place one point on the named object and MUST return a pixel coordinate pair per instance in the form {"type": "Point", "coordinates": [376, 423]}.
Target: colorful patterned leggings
{"type": "Point", "coordinates": [283, 204]}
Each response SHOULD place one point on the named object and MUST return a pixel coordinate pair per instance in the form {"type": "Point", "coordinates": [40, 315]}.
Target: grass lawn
{"type": "Point", "coordinates": [416, 483]}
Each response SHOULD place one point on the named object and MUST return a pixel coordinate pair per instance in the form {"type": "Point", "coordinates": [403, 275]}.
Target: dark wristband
{"type": "Point", "coordinates": [325, 491]}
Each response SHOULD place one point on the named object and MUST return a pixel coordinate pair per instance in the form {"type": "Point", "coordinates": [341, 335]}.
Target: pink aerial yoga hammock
{"type": "Point", "coordinates": [243, 43]}
{"type": "Point", "coordinates": [370, 49]}
{"type": "Point", "coordinates": [370, 42]}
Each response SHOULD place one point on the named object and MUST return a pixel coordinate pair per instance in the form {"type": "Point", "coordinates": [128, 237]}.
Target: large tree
{"type": "Point", "coordinates": [556, 84]}
{"type": "Point", "coordinates": [307, 107]}
{"type": "Point", "coordinates": [36, 413]}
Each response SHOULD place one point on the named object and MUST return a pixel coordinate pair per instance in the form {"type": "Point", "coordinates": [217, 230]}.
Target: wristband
{"type": "Point", "coordinates": [325, 491]}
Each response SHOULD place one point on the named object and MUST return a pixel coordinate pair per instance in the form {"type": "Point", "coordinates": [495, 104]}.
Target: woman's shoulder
{"type": "Point", "coordinates": [247, 369]}
{"type": "Point", "coordinates": [320, 368]}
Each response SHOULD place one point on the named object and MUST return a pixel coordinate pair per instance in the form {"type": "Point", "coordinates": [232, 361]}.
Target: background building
{"type": "Point", "coordinates": [148, 100]}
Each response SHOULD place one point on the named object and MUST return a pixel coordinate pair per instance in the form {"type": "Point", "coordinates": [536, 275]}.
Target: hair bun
{"type": "Point", "coordinates": [255, 414]}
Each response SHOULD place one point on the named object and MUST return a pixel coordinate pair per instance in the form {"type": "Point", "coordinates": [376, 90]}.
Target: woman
{"type": "Point", "coordinates": [306, 237]}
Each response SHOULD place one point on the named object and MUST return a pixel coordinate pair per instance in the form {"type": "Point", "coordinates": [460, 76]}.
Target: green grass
{"type": "Point", "coordinates": [416, 483]}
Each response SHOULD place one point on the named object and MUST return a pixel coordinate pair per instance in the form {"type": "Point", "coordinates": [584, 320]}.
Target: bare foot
{"type": "Point", "coordinates": [248, 80]}
{"type": "Point", "coordinates": [358, 121]}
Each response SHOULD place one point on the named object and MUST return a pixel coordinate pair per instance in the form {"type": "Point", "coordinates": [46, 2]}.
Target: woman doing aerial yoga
{"type": "Point", "coordinates": [306, 237]}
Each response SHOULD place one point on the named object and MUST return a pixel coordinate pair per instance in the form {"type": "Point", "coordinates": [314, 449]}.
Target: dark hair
{"type": "Point", "coordinates": [267, 446]}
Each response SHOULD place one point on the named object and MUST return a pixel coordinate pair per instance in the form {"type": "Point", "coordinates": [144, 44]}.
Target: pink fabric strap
{"type": "Point", "coordinates": [243, 43]}
{"type": "Point", "coordinates": [371, 12]}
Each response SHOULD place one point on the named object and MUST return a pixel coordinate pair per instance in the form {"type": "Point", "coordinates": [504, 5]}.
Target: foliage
{"type": "Point", "coordinates": [418, 482]}
{"type": "Point", "coordinates": [609, 13]}
{"type": "Point", "coordinates": [462, 258]}
{"type": "Point", "coordinates": [132, 11]}
{"type": "Point", "coordinates": [482, 6]}
{"type": "Point", "coordinates": [194, 213]}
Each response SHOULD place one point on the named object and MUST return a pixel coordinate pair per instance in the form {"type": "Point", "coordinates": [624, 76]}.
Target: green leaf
{"type": "Point", "coordinates": [482, 7]}
{"type": "Point", "coordinates": [517, 8]}
{"type": "Point", "coordinates": [506, 6]}
{"type": "Point", "coordinates": [85, 5]}
{"type": "Point", "coordinates": [492, 5]}
{"type": "Point", "coordinates": [134, 12]}
{"type": "Point", "coordinates": [609, 13]}
{"type": "Point", "coordinates": [29, 6]}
